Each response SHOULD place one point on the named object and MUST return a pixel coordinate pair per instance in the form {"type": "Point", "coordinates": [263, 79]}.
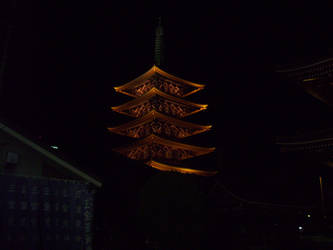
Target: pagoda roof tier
{"type": "Point", "coordinates": [157, 123]}
{"type": "Point", "coordinates": [157, 78]}
{"type": "Point", "coordinates": [166, 167]}
{"type": "Point", "coordinates": [154, 147]}
{"type": "Point", "coordinates": [323, 144]}
{"type": "Point", "coordinates": [315, 78]}
{"type": "Point", "coordinates": [155, 99]}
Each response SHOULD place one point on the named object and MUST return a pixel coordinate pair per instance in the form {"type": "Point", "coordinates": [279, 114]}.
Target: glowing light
{"type": "Point", "coordinates": [54, 147]}
{"type": "Point", "coordinates": [309, 215]}
{"type": "Point", "coordinates": [309, 79]}
{"type": "Point", "coordinates": [300, 228]}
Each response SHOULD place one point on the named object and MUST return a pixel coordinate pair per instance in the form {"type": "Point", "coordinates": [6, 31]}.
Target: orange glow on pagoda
{"type": "Point", "coordinates": [159, 79]}
{"type": "Point", "coordinates": [154, 147]}
{"type": "Point", "coordinates": [155, 99]}
{"type": "Point", "coordinates": [158, 107]}
{"type": "Point", "coordinates": [160, 124]}
{"type": "Point", "coordinates": [166, 167]}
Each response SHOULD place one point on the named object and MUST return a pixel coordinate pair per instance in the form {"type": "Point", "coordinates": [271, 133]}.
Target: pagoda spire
{"type": "Point", "coordinates": [158, 108]}
{"type": "Point", "coordinates": [159, 44]}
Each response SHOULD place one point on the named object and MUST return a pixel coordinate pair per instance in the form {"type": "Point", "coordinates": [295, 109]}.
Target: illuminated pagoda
{"type": "Point", "coordinates": [159, 108]}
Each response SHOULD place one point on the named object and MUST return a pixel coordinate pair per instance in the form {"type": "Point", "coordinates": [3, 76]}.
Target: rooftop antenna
{"type": "Point", "coordinates": [159, 45]}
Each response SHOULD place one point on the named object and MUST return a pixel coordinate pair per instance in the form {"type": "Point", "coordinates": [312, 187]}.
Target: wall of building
{"type": "Point", "coordinates": [29, 163]}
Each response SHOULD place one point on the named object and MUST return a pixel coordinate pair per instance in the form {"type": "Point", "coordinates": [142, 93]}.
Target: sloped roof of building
{"type": "Point", "coordinates": [315, 78]}
{"type": "Point", "coordinates": [306, 137]}
{"type": "Point", "coordinates": [47, 153]}
{"type": "Point", "coordinates": [304, 65]}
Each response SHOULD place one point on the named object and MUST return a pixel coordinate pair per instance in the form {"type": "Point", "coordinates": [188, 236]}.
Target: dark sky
{"type": "Point", "coordinates": [64, 59]}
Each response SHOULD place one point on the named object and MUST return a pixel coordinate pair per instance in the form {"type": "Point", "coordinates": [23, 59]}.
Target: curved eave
{"type": "Point", "coordinates": [154, 114]}
{"type": "Point", "coordinates": [177, 79]}
{"type": "Point", "coordinates": [295, 143]}
{"type": "Point", "coordinates": [156, 139]}
{"type": "Point", "coordinates": [165, 167]}
{"type": "Point", "coordinates": [160, 140]}
{"type": "Point", "coordinates": [304, 67]}
{"type": "Point", "coordinates": [153, 92]}
{"type": "Point", "coordinates": [151, 72]}
{"type": "Point", "coordinates": [124, 92]}
{"type": "Point", "coordinates": [322, 93]}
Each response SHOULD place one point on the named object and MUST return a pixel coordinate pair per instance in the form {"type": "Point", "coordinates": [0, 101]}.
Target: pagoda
{"type": "Point", "coordinates": [313, 146]}
{"type": "Point", "coordinates": [158, 108]}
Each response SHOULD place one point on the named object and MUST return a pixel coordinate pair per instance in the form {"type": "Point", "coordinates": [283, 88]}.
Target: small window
{"type": "Point", "coordinates": [12, 158]}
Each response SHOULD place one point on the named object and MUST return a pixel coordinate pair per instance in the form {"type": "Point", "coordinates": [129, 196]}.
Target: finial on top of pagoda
{"type": "Point", "coordinates": [159, 45]}
{"type": "Point", "coordinates": [158, 107]}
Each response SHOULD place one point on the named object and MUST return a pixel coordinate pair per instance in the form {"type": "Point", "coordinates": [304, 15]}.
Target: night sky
{"type": "Point", "coordinates": [65, 59]}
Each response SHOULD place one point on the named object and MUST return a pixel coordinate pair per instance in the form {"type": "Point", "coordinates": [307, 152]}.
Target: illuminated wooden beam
{"type": "Point", "coordinates": [166, 167]}
{"type": "Point", "coordinates": [157, 71]}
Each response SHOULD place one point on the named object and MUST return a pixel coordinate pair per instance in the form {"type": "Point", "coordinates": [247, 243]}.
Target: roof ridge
{"type": "Point", "coordinates": [49, 154]}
